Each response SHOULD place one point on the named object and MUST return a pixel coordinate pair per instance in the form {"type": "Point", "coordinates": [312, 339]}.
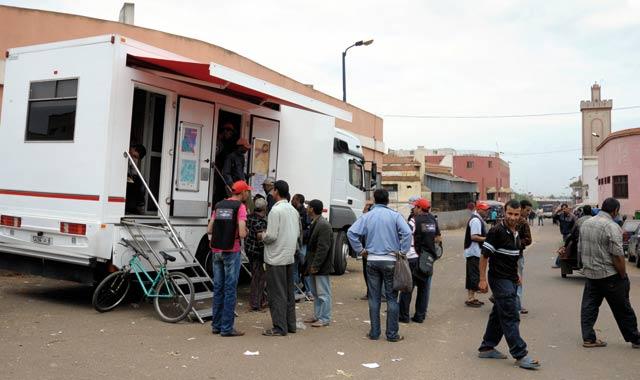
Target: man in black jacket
{"type": "Point", "coordinates": [426, 235]}
{"type": "Point", "coordinates": [319, 264]}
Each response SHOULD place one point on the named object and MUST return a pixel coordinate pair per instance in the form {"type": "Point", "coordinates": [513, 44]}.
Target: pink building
{"type": "Point", "coordinates": [619, 169]}
{"type": "Point", "coordinates": [488, 170]}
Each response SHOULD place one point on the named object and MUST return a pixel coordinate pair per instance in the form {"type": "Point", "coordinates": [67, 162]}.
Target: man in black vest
{"type": "Point", "coordinates": [227, 226]}
{"type": "Point", "coordinates": [426, 235]}
{"type": "Point", "coordinates": [473, 239]}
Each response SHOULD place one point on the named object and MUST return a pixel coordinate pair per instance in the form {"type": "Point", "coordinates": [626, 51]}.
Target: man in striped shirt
{"type": "Point", "coordinates": [500, 252]}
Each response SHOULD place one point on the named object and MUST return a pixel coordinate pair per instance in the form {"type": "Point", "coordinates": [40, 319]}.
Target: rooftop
{"type": "Point", "coordinates": [618, 135]}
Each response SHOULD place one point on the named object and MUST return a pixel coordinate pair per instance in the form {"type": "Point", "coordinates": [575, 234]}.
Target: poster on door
{"type": "Point", "coordinates": [261, 154]}
{"type": "Point", "coordinates": [189, 157]}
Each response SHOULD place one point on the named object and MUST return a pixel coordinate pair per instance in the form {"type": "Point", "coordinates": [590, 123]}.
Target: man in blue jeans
{"type": "Point", "coordinates": [319, 264]}
{"type": "Point", "coordinates": [501, 251]}
{"type": "Point", "coordinates": [227, 226]}
{"type": "Point", "coordinates": [386, 234]}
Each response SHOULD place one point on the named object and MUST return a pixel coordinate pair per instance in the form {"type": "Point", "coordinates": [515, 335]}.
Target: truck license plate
{"type": "Point", "coordinates": [45, 240]}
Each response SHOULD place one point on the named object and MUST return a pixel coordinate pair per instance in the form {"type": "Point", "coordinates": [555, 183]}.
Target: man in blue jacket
{"type": "Point", "coordinates": [386, 234]}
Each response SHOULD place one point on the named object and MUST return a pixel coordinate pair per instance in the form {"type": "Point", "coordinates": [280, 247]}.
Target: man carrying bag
{"type": "Point", "coordinates": [426, 238]}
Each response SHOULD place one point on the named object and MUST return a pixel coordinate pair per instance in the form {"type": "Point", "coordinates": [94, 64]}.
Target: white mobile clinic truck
{"type": "Point", "coordinates": [72, 109]}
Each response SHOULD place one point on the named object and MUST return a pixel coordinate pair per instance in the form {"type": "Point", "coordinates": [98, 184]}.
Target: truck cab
{"type": "Point", "coordinates": [348, 193]}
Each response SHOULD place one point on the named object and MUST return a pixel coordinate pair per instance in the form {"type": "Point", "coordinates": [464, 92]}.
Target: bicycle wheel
{"type": "Point", "coordinates": [111, 291]}
{"type": "Point", "coordinates": [174, 297]}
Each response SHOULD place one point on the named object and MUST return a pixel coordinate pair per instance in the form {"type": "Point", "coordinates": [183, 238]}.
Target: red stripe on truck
{"type": "Point", "coordinates": [39, 194]}
{"type": "Point", "coordinates": [117, 199]}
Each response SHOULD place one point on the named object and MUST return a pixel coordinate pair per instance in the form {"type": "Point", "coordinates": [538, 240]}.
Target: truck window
{"type": "Point", "coordinates": [52, 110]}
{"type": "Point", "coordinates": [355, 173]}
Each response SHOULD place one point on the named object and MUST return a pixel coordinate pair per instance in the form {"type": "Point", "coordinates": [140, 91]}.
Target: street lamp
{"type": "Point", "coordinates": [344, 75]}
{"type": "Point", "coordinates": [595, 134]}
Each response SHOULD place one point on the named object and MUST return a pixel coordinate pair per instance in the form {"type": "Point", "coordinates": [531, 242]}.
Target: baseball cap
{"type": "Point", "coordinates": [240, 186]}
{"type": "Point", "coordinates": [422, 203]}
{"type": "Point", "coordinates": [482, 206]}
{"type": "Point", "coordinates": [243, 142]}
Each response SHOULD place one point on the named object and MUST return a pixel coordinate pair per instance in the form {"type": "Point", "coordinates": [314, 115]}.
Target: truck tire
{"type": "Point", "coordinates": [340, 253]}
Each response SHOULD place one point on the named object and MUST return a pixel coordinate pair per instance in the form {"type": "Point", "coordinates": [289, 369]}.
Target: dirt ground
{"type": "Point", "coordinates": [48, 330]}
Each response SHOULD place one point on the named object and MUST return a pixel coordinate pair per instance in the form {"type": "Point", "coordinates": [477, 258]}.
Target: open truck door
{"type": "Point", "coordinates": [192, 159]}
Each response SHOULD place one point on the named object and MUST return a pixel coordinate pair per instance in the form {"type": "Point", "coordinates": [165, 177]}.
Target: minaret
{"type": "Point", "coordinates": [596, 121]}
{"type": "Point", "coordinates": [596, 126]}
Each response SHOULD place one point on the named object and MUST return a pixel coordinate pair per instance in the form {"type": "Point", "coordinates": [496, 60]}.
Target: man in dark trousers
{"type": "Point", "coordinates": [524, 233]}
{"type": "Point", "coordinates": [319, 264]}
{"type": "Point", "coordinates": [426, 236]}
{"type": "Point", "coordinates": [603, 264]}
{"type": "Point", "coordinates": [228, 227]}
{"type": "Point", "coordinates": [135, 196]}
{"type": "Point", "coordinates": [500, 252]}
{"type": "Point", "coordinates": [233, 169]}
{"type": "Point", "coordinates": [256, 223]}
{"type": "Point", "coordinates": [280, 243]}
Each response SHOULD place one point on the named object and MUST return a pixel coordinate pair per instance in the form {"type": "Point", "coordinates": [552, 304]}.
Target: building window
{"type": "Point", "coordinates": [490, 164]}
{"type": "Point", "coordinates": [355, 173]}
{"type": "Point", "coordinates": [52, 110]}
{"type": "Point", "coordinates": [392, 188]}
{"type": "Point", "coordinates": [469, 164]}
{"type": "Point", "coordinates": [620, 186]}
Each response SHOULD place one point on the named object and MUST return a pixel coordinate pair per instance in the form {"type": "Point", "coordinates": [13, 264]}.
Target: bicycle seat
{"type": "Point", "coordinates": [167, 256]}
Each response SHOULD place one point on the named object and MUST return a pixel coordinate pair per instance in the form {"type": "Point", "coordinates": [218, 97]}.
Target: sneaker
{"type": "Point", "coordinates": [319, 324]}
{"type": "Point", "coordinates": [233, 332]}
{"type": "Point", "coordinates": [215, 331]}
{"type": "Point", "coordinates": [403, 320]}
{"type": "Point", "coordinates": [414, 319]}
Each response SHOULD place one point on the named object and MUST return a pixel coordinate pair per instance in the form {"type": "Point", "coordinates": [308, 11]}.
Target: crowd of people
{"type": "Point", "coordinates": [289, 245]}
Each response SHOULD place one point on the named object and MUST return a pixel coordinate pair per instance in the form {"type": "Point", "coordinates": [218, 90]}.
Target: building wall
{"type": "Point", "coordinates": [498, 175]}
{"type": "Point", "coordinates": [590, 181]}
{"type": "Point", "coordinates": [621, 156]}
{"type": "Point", "coordinates": [23, 27]}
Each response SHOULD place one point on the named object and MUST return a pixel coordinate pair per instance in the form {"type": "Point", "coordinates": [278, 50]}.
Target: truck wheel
{"type": "Point", "coordinates": [340, 253]}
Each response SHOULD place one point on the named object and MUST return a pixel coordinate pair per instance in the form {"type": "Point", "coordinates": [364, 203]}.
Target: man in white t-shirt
{"type": "Point", "coordinates": [473, 239]}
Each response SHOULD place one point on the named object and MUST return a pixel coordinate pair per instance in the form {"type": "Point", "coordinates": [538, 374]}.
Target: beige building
{"type": "Point", "coordinates": [596, 127]}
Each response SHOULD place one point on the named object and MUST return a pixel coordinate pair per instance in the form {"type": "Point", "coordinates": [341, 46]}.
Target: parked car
{"type": "Point", "coordinates": [630, 230]}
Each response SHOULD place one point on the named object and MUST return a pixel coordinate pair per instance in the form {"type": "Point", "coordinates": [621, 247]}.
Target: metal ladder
{"type": "Point", "coordinates": [164, 230]}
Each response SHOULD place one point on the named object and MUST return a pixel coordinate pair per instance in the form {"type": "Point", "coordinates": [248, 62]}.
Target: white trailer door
{"type": "Point", "coordinates": [192, 167]}
{"type": "Point", "coordinates": [264, 154]}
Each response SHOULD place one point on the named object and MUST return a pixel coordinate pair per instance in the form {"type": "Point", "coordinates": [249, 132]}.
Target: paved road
{"type": "Point", "coordinates": [48, 330]}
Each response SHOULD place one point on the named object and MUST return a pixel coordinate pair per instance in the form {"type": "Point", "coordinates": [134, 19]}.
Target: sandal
{"type": "Point", "coordinates": [528, 362]}
{"type": "Point", "coordinates": [594, 344]}
{"type": "Point", "coordinates": [473, 303]}
{"type": "Point", "coordinates": [491, 354]}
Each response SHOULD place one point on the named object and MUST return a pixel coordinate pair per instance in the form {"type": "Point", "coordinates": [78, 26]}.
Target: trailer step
{"type": "Point", "coordinates": [194, 280]}
{"type": "Point", "coordinates": [204, 313]}
{"type": "Point", "coordinates": [203, 296]}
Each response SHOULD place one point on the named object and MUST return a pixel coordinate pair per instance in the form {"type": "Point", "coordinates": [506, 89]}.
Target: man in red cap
{"type": "Point", "coordinates": [234, 169]}
{"type": "Point", "coordinates": [426, 234]}
{"type": "Point", "coordinates": [473, 239]}
{"type": "Point", "coordinates": [227, 227]}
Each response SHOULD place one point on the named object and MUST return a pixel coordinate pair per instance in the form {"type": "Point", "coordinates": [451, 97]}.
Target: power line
{"type": "Point", "coordinates": [407, 116]}
{"type": "Point", "coordinates": [539, 153]}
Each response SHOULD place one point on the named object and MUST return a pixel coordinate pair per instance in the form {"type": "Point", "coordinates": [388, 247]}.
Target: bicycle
{"type": "Point", "coordinates": [172, 292]}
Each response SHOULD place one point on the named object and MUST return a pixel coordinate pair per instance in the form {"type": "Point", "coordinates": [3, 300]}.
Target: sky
{"type": "Point", "coordinates": [434, 58]}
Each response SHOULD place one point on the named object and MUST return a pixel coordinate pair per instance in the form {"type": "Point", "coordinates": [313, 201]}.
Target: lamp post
{"type": "Point", "coordinates": [344, 75]}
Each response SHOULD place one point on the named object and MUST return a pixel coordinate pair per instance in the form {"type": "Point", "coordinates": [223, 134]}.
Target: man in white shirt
{"type": "Point", "coordinates": [280, 242]}
{"type": "Point", "coordinates": [473, 239]}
